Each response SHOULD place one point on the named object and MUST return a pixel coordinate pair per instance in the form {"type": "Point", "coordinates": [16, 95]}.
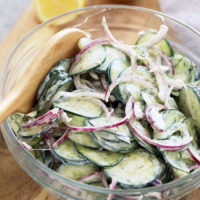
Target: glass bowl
{"type": "Point", "coordinates": [125, 22]}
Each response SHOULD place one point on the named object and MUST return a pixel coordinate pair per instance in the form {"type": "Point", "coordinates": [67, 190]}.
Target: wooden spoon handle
{"type": "Point", "coordinates": [8, 106]}
{"type": "Point", "coordinates": [22, 96]}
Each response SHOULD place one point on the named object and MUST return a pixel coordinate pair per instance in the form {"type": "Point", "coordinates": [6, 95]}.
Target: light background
{"type": "Point", "coordinates": [185, 10]}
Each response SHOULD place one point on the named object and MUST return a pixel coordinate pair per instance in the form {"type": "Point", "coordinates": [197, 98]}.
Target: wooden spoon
{"type": "Point", "coordinates": [21, 98]}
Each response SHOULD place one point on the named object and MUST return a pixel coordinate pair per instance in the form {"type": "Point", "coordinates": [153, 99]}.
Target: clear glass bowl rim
{"type": "Point", "coordinates": [77, 184]}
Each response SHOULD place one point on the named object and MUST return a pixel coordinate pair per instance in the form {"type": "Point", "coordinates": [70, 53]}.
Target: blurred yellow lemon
{"type": "Point", "coordinates": [46, 9]}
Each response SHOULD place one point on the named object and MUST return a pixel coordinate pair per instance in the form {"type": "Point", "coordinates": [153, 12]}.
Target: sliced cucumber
{"type": "Point", "coordinates": [179, 160]}
{"type": "Point", "coordinates": [148, 98]}
{"type": "Point", "coordinates": [92, 58]}
{"type": "Point", "coordinates": [60, 68]}
{"type": "Point", "coordinates": [66, 153]}
{"type": "Point", "coordinates": [122, 130]}
{"type": "Point", "coordinates": [179, 173]}
{"type": "Point", "coordinates": [189, 103]}
{"type": "Point", "coordinates": [76, 172]}
{"type": "Point", "coordinates": [146, 145]}
{"type": "Point", "coordinates": [171, 119]}
{"type": "Point", "coordinates": [102, 158]}
{"type": "Point", "coordinates": [62, 83]}
{"type": "Point", "coordinates": [115, 68]}
{"type": "Point", "coordinates": [183, 69]}
{"type": "Point", "coordinates": [163, 45]}
{"type": "Point", "coordinates": [182, 136]}
{"type": "Point", "coordinates": [80, 106]}
{"type": "Point", "coordinates": [120, 147]}
{"type": "Point", "coordinates": [77, 120]}
{"type": "Point", "coordinates": [138, 169]}
{"type": "Point", "coordinates": [190, 123]}
{"type": "Point", "coordinates": [37, 131]}
{"type": "Point", "coordinates": [112, 137]}
{"type": "Point", "coordinates": [167, 174]}
{"type": "Point", "coordinates": [112, 53]}
{"type": "Point", "coordinates": [125, 90]}
{"type": "Point", "coordinates": [175, 93]}
{"type": "Point", "coordinates": [16, 120]}
{"type": "Point", "coordinates": [107, 136]}
{"type": "Point", "coordinates": [84, 139]}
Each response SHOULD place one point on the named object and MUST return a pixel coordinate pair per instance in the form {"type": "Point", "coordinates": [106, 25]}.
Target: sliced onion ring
{"type": "Point", "coordinates": [141, 132]}
{"type": "Point", "coordinates": [194, 154]}
{"type": "Point", "coordinates": [152, 113]}
{"type": "Point", "coordinates": [47, 118]}
{"type": "Point", "coordinates": [94, 176]}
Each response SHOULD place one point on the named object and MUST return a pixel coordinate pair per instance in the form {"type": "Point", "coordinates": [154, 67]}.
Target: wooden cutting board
{"type": "Point", "coordinates": [15, 184]}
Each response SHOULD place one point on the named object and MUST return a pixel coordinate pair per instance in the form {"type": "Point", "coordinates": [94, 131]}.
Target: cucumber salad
{"type": "Point", "coordinates": [117, 115]}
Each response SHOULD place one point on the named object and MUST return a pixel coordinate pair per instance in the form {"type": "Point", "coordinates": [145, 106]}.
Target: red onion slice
{"type": "Point", "coordinates": [167, 59]}
{"type": "Point", "coordinates": [103, 179]}
{"type": "Point", "coordinates": [157, 37]}
{"type": "Point", "coordinates": [154, 117]}
{"type": "Point", "coordinates": [92, 177]}
{"type": "Point", "coordinates": [79, 55]}
{"type": "Point", "coordinates": [62, 138]}
{"type": "Point", "coordinates": [123, 47]}
{"type": "Point", "coordinates": [112, 186]}
{"type": "Point", "coordinates": [47, 118]}
{"type": "Point", "coordinates": [194, 154]}
{"type": "Point", "coordinates": [103, 82]}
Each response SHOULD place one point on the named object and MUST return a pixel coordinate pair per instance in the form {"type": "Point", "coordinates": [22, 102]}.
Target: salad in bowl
{"type": "Point", "coordinates": [117, 115]}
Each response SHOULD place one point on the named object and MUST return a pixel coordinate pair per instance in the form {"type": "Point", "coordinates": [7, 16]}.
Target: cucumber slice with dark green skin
{"type": "Point", "coordinates": [102, 158]}
{"type": "Point", "coordinates": [179, 160]}
{"type": "Point", "coordinates": [110, 136]}
{"type": "Point", "coordinates": [65, 63]}
{"type": "Point", "coordinates": [60, 68]}
{"type": "Point", "coordinates": [138, 169]}
{"type": "Point", "coordinates": [146, 145]}
{"type": "Point", "coordinates": [83, 139]}
{"type": "Point", "coordinates": [175, 93]}
{"type": "Point", "coordinates": [106, 136]}
{"type": "Point", "coordinates": [148, 98]}
{"type": "Point", "coordinates": [92, 58]}
{"type": "Point", "coordinates": [115, 68]}
{"type": "Point", "coordinates": [184, 69]}
{"type": "Point", "coordinates": [189, 103]}
{"type": "Point", "coordinates": [171, 120]}
{"type": "Point", "coordinates": [163, 45]}
{"type": "Point", "coordinates": [77, 120]}
{"type": "Point", "coordinates": [62, 83]}
{"type": "Point", "coordinates": [179, 173]}
{"type": "Point", "coordinates": [190, 123]}
{"type": "Point", "coordinates": [16, 120]}
{"type": "Point", "coordinates": [120, 147]}
{"type": "Point", "coordinates": [112, 53]}
{"type": "Point", "coordinates": [125, 90]}
{"type": "Point", "coordinates": [122, 130]}
{"type": "Point", "coordinates": [167, 174]}
{"type": "Point", "coordinates": [66, 153]}
{"type": "Point", "coordinates": [76, 172]}
{"type": "Point", "coordinates": [37, 131]}
{"type": "Point", "coordinates": [81, 106]}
